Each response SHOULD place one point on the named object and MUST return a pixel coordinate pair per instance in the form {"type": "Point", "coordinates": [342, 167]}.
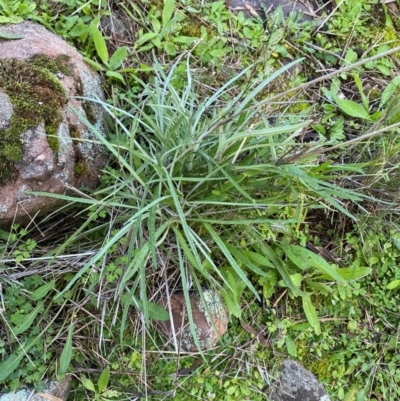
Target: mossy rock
{"type": "Point", "coordinates": [49, 135]}
{"type": "Point", "coordinates": [37, 97]}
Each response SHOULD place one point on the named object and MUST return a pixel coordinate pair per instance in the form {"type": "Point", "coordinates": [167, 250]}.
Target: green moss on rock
{"type": "Point", "coordinates": [37, 97]}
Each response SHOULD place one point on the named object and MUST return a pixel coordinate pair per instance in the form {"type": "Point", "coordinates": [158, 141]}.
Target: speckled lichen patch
{"type": "Point", "coordinates": [37, 97]}
{"type": "Point", "coordinates": [213, 309]}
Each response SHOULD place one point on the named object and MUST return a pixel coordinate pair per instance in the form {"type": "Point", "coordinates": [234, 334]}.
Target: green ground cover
{"type": "Point", "coordinates": [257, 159]}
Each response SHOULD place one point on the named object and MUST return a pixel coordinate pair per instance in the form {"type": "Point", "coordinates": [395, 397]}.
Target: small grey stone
{"type": "Point", "coordinates": [6, 110]}
{"type": "Point", "coordinates": [56, 389]}
{"type": "Point", "coordinates": [113, 25]}
{"type": "Point", "coordinates": [254, 8]}
{"type": "Point", "coordinates": [297, 384]}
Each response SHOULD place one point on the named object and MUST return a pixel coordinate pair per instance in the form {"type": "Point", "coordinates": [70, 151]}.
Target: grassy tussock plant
{"type": "Point", "coordinates": [183, 189]}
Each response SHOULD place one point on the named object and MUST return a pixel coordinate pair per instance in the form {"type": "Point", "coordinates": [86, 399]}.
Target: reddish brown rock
{"type": "Point", "coordinates": [210, 320]}
{"type": "Point", "coordinates": [51, 160]}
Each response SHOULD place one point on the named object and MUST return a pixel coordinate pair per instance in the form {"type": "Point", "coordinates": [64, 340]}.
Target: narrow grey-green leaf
{"type": "Point", "coordinates": [43, 290]}
{"type": "Point", "coordinates": [66, 354]}
{"type": "Point", "coordinates": [311, 314]}
{"type": "Point", "coordinates": [218, 241]}
{"type": "Point", "coordinates": [10, 36]}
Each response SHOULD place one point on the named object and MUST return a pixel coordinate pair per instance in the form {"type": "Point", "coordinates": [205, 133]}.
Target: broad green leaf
{"type": "Point", "coordinates": [10, 36]}
{"type": "Point", "coordinates": [348, 273]}
{"type": "Point", "coordinates": [259, 259]}
{"type": "Point", "coordinates": [351, 394]}
{"type": "Point", "coordinates": [66, 354]}
{"type": "Point", "coordinates": [87, 383]}
{"type": "Point", "coordinates": [241, 256]}
{"type": "Point", "coordinates": [361, 395]}
{"type": "Point", "coordinates": [296, 278]}
{"type": "Point", "coordinates": [79, 29]}
{"type": "Point", "coordinates": [168, 10]}
{"type": "Point", "coordinates": [232, 294]}
{"type": "Point", "coordinates": [300, 327]}
{"type": "Point", "coordinates": [351, 108]}
{"type": "Point", "coordinates": [351, 56]}
{"type": "Point", "coordinates": [169, 48]}
{"type": "Point", "coordinates": [336, 130]}
{"type": "Point", "coordinates": [231, 303]}
{"type": "Point", "coordinates": [304, 259]}
{"type": "Point", "coordinates": [393, 285]}
{"type": "Point", "coordinates": [290, 346]}
{"type": "Point", "coordinates": [10, 20]}
{"type": "Point", "coordinates": [276, 36]}
{"type": "Point", "coordinates": [99, 44]}
{"type": "Point", "coordinates": [311, 314]}
{"type": "Point", "coordinates": [376, 115]}
{"type": "Point", "coordinates": [43, 290]}
{"type": "Point", "coordinates": [10, 364]}
{"type": "Point", "coordinates": [231, 390]}
{"type": "Point", "coordinates": [268, 283]}
{"type": "Point", "coordinates": [104, 379]}
{"type": "Point", "coordinates": [28, 320]}
{"type": "Point", "coordinates": [94, 64]}
{"type": "Point", "coordinates": [156, 312]}
{"type": "Point", "coordinates": [156, 25]}
{"type": "Point", "coordinates": [391, 90]}
{"type": "Point", "coordinates": [279, 266]}
{"type": "Point", "coordinates": [145, 38]}
{"type": "Point", "coordinates": [116, 75]}
{"type": "Point", "coordinates": [118, 57]}
{"type": "Point", "coordinates": [321, 287]}
{"type": "Point", "coordinates": [248, 33]}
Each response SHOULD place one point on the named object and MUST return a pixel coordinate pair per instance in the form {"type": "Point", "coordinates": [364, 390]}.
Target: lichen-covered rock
{"type": "Point", "coordinates": [45, 145]}
{"type": "Point", "coordinates": [55, 390]}
{"type": "Point", "coordinates": [258, 8]}
{"type": "Point", "coordinates": [296, 383]}
{"type": "Point", "coordinates": [210, 320]}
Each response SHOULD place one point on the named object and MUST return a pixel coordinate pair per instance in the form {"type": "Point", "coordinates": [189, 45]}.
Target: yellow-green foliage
{"type": "Point", "coordinates": [37, 97]}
